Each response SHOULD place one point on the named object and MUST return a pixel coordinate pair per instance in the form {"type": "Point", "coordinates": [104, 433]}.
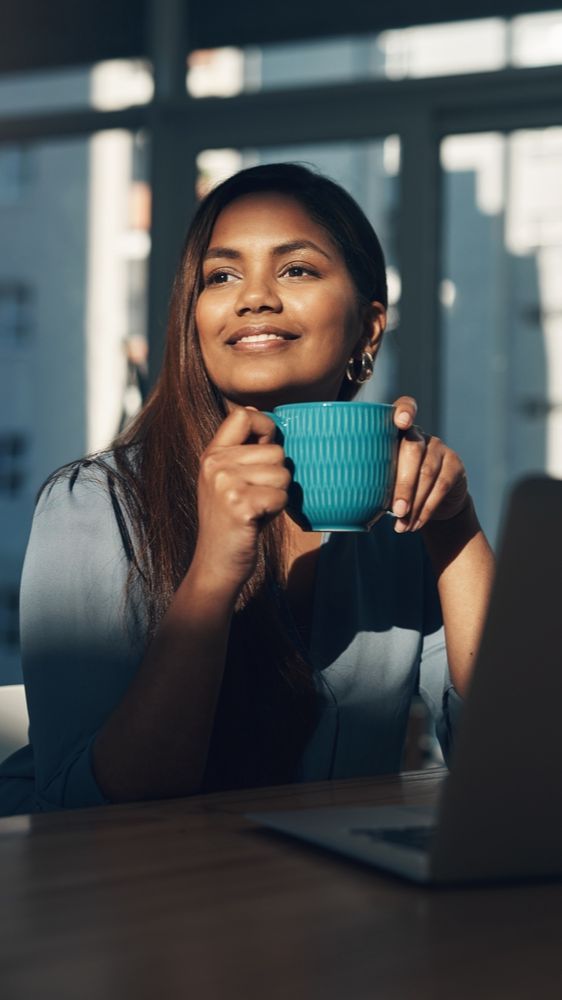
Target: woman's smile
{"type": "Point", "coordinates": [261, 337]}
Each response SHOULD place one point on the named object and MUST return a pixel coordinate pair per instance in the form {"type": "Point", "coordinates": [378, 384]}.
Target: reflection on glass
{"type": "Point", "coordinates": [471, 46]}
{"type": "Point", "coordinates": [370, 172]}
{"type": "Point", "coordinates": [502, 308]}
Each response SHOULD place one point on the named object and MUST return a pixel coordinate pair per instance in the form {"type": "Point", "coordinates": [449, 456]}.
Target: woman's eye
{"type": "Point", "coordinates": [298, 270]}
{"type": "Point", "coordinates": [218, 278]}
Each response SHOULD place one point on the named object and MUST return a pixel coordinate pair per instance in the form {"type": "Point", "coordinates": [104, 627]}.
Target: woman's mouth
{"type": "Point", "coordinates": [256, 338]}
{"type": "Point", "coordinates": [260, 339]}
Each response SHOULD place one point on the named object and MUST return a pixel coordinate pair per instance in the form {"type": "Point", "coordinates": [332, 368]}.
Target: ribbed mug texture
{"type": "Point", "coordinates": [343, 460]}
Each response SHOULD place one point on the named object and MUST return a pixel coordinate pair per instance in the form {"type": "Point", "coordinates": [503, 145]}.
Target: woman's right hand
{"type": "Point", "coordinates": [243, 484]}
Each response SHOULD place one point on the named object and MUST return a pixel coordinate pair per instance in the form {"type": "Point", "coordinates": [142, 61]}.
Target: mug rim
{"type": "Point", "coordinates": [334, 402]}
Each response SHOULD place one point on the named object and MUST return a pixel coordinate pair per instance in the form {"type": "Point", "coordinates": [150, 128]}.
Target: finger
{"type": "Point", "coordinates": [262, 504]}
{"type": "Point", "coordinates": [276, 476]}
{"type": "Point", "coordinates": [410, 457]}
{"type": "Point", "coordinates": [249, 454]}
{"type": "Point", "coordinates": [429, 474]}
{"type": "Point", "coordinates": [223, 466]}
{"type": "Point", "coordinates": [451, 480]}
{"type": "Point", "coordinates": [243, 423]}
{"type": "Point", "coordinates": [405, 410]}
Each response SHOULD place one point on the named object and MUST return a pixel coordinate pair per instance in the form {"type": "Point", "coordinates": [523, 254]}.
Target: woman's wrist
{"type": "Point", "coordinates": [464, 516]}
{"type": "Point", "coordinates": [204, 588]}
{"type": "Point", "coordinates": [445, 538]}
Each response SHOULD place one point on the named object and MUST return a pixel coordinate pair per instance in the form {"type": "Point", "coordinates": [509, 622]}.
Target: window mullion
{"type": "Point", "coordinates": [418, 245]}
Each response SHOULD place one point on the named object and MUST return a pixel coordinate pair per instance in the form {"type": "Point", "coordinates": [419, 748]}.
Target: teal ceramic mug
{"type": "Point", "coordinates": [342, 457]}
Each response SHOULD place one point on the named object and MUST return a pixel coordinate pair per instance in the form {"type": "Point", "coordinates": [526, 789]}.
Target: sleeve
{"type": "Point", "coordinates": [81, 644]}
{"type": "Point", "coordinates": [435, 685]}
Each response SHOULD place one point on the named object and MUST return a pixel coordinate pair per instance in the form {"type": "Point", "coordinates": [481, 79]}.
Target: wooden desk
{"type": "Point", "coordinates": [186, 899]}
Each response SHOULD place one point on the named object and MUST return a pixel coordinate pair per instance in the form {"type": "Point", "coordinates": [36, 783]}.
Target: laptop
{"type": "Point", "coordinates": [500, 812]}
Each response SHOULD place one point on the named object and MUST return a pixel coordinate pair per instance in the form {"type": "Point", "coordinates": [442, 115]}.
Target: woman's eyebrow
{"type": "Point", "coordinates": [279, 251]}
{"type": "Point", "coordinates": [213, 252]}
{"type": "Point", "coordinates": [284, 248]}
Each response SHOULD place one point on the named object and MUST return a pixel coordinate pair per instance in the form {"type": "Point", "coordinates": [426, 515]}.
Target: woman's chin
{"type": "Point", "coordinates": [268, 399]}
{"type": "Point", "coordinates": [266, 396]}
{"type": "Point", "coordinates": [262, 400]}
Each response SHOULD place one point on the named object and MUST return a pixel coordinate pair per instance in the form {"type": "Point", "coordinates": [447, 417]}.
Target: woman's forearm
{"type": "Point", "coordinates": [155, 743]}
{"type": "Point", "coordinates": [464, 565]}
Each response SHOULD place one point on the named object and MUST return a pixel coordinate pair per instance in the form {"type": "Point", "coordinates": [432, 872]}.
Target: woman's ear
{"type": "Point", "coordinates": [373, 328]}
{"type": "Point", "coordinates": [373, 324]}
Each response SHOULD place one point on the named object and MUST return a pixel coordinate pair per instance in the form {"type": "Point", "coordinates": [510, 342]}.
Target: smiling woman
{"type": "Point", "coordinates": [179, 632]}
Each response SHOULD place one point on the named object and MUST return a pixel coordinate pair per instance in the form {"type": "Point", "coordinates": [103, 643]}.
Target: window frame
{"type": "Point", "coordinates": [420, 111]}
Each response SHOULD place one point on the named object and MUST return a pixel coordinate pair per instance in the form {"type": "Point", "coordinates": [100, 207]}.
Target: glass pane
{"type": "Point", "coordinates": [74, 245]}
{"type": "Point", "coordinates": [370, 172]}
{"type": "Point", "coordinates": [502, 308]}
{"type": "Point", "coordinates": [425, 51]}
{"type": "Point", "coordinates": [536, 39]}
{"type": "Point", "coordinates": [444, 49]}
{"type": "Point", "coordinates": [117, 83]}
{"type": "Point", "coordinates": [448, 49]}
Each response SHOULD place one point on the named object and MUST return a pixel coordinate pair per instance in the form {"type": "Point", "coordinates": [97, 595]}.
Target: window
{"type": "Point", "coordinates": [14, 172]}
{"type": "Point", "coordinates": [16, 314]}
{"type": "Point", "coordinates": [477, 45]}
{"type": "Point", "coordinates": [13, 450]}
{"type": "Point", "coordinates": [502, 308]}
{"type": "Point", "coordinates": [73, 272]}
{"type": "Point", "coordinates": [107, 86]}
{"type": "Point", "coordinates": [9, 616]}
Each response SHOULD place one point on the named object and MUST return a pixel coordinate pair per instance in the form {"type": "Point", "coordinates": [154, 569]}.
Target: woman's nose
{"type": "Point", "coordinates": [257, 294]}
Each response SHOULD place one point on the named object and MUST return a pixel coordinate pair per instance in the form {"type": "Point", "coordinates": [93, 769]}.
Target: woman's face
{"type": "Point", "coordinates": [279, 315]}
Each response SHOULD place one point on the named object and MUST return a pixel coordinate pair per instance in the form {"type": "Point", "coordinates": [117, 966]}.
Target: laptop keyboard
{"type": "Point", "coordinates": [418, 837]}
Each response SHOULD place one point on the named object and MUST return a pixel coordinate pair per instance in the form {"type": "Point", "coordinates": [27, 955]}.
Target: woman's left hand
{"type": "Point", "coordinates": [431, 481]}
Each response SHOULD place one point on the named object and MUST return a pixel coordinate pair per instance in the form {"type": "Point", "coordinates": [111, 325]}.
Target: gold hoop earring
{"type": "Point", "coordinates": [365, 371]}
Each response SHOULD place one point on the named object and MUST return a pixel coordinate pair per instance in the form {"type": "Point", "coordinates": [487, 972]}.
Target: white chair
{"type": "Point", "coordinates": [14, 720]}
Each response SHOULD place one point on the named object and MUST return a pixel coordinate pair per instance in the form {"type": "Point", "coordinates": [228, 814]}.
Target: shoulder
{"type": "Point", "coordinates": [80, 531]}
{"type": "Point", "coordinates": [95, 483]}
{"type": "Point", "coordinates": [82, 500]}
{"type": "Point", "coordinates": [91, 502]}
{"type": "Point", "coordinates": [81, 478]}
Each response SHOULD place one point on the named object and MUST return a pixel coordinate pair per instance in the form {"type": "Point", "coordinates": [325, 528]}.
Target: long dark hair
{"type": "Point", "coordinates": [268, 705]}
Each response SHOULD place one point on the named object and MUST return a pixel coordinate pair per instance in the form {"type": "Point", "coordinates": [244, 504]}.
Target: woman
{"type": "Point", "coordinates": [179, 632]}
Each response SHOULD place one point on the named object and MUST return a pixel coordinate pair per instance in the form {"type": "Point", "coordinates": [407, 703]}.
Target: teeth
{"type": "Point", "coordinates": [254, 338]}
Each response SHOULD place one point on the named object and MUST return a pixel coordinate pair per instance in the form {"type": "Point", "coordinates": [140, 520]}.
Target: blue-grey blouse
{"type": "Point", "coordinates": [376, 640]}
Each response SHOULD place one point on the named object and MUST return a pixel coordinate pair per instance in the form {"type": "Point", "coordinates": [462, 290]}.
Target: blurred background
{"type": "Point", "coordinates": [115, 117]}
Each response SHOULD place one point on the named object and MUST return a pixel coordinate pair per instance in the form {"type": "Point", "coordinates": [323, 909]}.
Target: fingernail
{"type": "Point", "coordinates": [416, 526]}
{"type": "Point", "coordinates": [400, 526]}
{"type": "Point", "coordinates": [403, 418]}
{"type": "Point", "coordinates": [400, 508]}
